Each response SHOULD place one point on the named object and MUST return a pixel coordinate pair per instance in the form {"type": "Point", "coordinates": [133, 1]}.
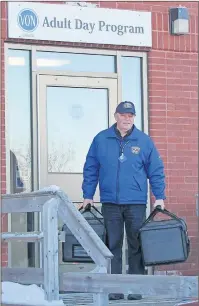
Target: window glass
{"type": "Point", "coordinates": [79, 120]}
{"type": "Point", "coordinates": [19, 123]}
{"type": "Point", "coordinates": [75, 62]}
{"type": "Point", "coordinates": [18, 118]}
{"type": "Point", "coordinates": [132, 85]}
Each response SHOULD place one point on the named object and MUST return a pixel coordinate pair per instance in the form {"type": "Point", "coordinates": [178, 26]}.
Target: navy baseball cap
{"type": "Point", "coordinates": [125, 107]}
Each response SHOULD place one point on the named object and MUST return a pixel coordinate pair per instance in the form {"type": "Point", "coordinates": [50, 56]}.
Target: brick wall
{"type": "Point", "coordinates": [173, 107]}
{"type": "Point", "coordinates": [173, 113]}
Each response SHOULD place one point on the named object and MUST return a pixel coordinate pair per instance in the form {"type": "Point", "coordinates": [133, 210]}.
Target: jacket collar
{"type": "Point", "coordinates": [112, 134]}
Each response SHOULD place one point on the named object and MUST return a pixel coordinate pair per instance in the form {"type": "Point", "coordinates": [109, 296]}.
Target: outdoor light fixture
{"type": "Point", "coordinates": [179, 21]}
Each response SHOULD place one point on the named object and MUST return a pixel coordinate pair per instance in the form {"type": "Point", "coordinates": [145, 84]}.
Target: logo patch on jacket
{"type": "Point", "coordinates": [135, 150]}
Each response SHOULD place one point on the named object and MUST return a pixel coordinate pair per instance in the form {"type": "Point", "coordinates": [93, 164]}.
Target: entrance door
{"type": "Point", "coordinates": [72, 110]}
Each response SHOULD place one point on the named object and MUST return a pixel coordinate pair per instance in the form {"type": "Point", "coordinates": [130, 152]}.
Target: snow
{"type": "Point", "coordinates": [14, 293]}
{"type": "Point", "coordinates": [52, 188]}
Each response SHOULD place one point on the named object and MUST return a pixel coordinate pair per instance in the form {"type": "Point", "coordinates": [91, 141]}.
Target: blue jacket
{"type": "Point", "coordinates": [123, 182]}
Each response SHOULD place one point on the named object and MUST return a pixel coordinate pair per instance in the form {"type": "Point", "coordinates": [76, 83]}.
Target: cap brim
{"type": "Point", "coordinates": [126, 111]}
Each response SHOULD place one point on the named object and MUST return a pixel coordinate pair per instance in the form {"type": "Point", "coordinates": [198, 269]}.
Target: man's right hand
{"type": "Point", "coordinates": [86, 202]}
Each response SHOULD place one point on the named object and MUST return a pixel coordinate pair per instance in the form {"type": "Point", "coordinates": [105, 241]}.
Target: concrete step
{"type": "Point", "coordinates": [83, 299]}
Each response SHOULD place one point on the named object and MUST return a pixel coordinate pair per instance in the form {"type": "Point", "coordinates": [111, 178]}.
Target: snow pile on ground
{"type": "Point", "coordinates": [52, 188]}
{"type": "Point", "coordinates": [14, 293]}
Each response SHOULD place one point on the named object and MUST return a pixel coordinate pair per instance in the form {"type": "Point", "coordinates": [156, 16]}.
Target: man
{"type": "Point", "coordinates": [121, 159]}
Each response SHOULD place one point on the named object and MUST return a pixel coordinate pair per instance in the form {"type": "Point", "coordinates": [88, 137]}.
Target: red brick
{"type": "Point", "coordinates": [160, 133]}
{"type": "Point", "coordinates": [108, 4]}
{"type": "Point", "coordinates": [155, 39]}
{"type": "Point", "coordinates": [125, 5]}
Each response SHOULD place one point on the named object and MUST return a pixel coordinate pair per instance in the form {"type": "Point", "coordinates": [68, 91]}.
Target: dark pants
{"type": "Point", "coordinates": [115, 216]}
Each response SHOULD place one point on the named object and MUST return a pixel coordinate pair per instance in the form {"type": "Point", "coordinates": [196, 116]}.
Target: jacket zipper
{"type": "Point", "coordinates": [117, 181]}
{"type": "Point", "coordinates": [118, 170]}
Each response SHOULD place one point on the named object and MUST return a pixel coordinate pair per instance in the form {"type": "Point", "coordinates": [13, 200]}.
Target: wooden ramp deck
{"type": "Point", "coordinates": [87, 300]}
{"type": "Point", "coordinates": [82, 299]}
{"type": "Point", "coordinates": [94, 286]}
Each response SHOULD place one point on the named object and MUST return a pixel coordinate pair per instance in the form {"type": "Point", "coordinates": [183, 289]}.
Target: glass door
{"type": "Point", "coordinates": [72, 110]}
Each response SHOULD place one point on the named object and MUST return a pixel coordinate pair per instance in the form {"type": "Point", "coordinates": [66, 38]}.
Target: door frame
{"type": "Point", "coordinates": [34, 94]}
{"type": "Point", "coordinates": [36, 72]}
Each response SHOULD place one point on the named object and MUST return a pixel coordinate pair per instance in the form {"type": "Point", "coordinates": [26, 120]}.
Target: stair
{"type": "Point", "coordinates": [85, 299]}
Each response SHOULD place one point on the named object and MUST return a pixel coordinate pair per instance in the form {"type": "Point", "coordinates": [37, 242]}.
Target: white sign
{"type": "Point", "coordinates": [60, 22]}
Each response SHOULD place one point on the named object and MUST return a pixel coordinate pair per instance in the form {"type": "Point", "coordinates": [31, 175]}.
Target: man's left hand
{"type": "Point", "coordinates": [159, 203]}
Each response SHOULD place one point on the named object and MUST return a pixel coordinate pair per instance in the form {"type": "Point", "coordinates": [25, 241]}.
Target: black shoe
{"type": "Point", "coordinates": [134, 297]}
{"type": "Point", "coordinates": [116, 296]}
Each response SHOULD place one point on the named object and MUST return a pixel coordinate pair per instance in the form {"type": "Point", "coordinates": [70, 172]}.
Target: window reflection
{"type": "Point", "coordinates": [75, 62]}
{"type": "Point", "coordinates": [15, 175]}
{"type": "Point", "coordinates": [74, 116]}
{"type": "Point", "coordinates": [19, 143]}
{"type": "Point", "coordinates": [132, 85]}
{"type": "Point", "coordinates": [18, 94]}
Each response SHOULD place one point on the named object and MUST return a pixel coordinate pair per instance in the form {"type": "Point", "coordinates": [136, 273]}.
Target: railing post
{"type": "Point", "coordinates": [100, 299]}
{"type": "Point", "coordinates": [50, 249]}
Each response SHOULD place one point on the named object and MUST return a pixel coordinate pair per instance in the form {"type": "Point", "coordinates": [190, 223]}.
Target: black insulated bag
{"type": "Point", "coordinates": [72, 251]}
{"type": "Point", "coordinates": [164, 241]}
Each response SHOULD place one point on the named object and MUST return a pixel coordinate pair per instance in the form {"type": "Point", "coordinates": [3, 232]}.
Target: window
{"type": "Point", "coordinates": [20, 147]}
{"type": "Point", "coordinates": [75, 62]}
{"type": "Point", "coordinates": [19, 123]}
{"type": "Point", "coordinates": [132, 85]}
{"type": "Point", "coordinates": [79, 118]}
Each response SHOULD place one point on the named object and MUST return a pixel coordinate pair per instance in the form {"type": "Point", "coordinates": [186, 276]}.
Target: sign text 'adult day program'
{"type": "Point", "coordinates": [78, 24]}
{"type": "Point", "coordinates": [59, 22]}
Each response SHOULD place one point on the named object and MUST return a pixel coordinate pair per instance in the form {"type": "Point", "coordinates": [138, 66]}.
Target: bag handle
{"type": "Point", "coordinates": [163, 211]}
{"type": "Point", "coordinates": [88, 209]}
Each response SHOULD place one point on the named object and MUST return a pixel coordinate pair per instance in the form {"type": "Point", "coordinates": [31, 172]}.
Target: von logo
{"type": "Point", "coordinates": [28, 20]}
